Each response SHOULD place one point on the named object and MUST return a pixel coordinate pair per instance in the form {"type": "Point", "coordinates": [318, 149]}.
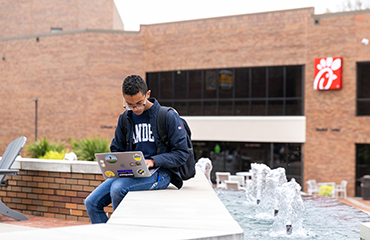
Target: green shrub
{"type": "Point", "coordinates": [39, 148]}
{"type": "Point", "coordinates": [86, 148]}
{"type": "Point", "coordinates": [54, 155]}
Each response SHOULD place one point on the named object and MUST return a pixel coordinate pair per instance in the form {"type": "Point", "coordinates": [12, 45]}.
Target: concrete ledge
{"type": "Point", "coordinates": [56, 165]}
{"type": "Point", "coordinates": [193, 212]}
{"type": "Point", "coordinates": [365, 231]}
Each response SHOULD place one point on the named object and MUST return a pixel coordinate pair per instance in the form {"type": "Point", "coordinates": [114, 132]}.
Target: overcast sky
{"type": "Point", "coordinates": [136, 12]}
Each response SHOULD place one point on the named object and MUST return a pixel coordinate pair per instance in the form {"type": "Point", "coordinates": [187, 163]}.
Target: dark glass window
{"type": "Point", "coordinates": [293, 81]}
{"type": "Point", "coordinates": [288, 156]}
{"type": "Point", "coordinates": [181, 107]}
{"type": "Point", "coordinates": [242, 83]}
{"type": "Point", "coordinates": [258, 82]}
{"type": "Point", "coordinates": [225, 108]}
{"type": "Point", "coordinates": [255, 91]}
{"type": "Point", "coordinates": [242, 108]}
{"type": "Point", "coordinates": [180, 85]}
{"type": "Point", "coordinates": [226, 83]}
{"type": "Point", "coordinates": [152, 82]}
{"type": "Point", "coordinates": [237, 156]}
{"type": "Point", "coordinates": [363, 89]}
{"type": "Point", "coordinates": [276, 81]}
{"type": "Point", "coordinates": [363, 108]}
{"type": "Point", "coordinates": [166, 85]}
{"type": "Point", "coordinates": [195, 84]}
{"type": "Point", "coordinates": [275, 108]}
{"type": "Point", "coordinates": [293, 107]}
{"type": "Point", "coordinates": [195, 109]}
{"type": "Point", "coordinates": [258, 108]}
{"type": "Point", "coordinates": [362, 164]}
{"type": "Point", "coordinates": [211, 84]}
{"type": "Point", "coordinates": [210, 108]}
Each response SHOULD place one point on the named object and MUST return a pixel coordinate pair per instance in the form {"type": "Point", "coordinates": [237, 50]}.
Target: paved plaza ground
{"type": "Point", "coordinates": [9, 224]}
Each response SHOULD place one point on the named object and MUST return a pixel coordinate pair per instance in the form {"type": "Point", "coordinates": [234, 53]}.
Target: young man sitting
{"type": "Point", "coordinates": [142, 136]}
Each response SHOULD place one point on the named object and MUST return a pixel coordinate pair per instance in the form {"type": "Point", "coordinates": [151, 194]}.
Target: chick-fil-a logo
{"type": "Point", "coordinates": [328, 73]}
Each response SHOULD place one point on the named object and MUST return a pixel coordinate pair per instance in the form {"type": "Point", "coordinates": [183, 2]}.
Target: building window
{"type": "Point", "coordinates": [237, 156]}
{"type": "Point", "coordinates": [363, 89]}
{"type": "Point", "coordinates": [256, 91]}
{"type": "Point", "coordinates": [362, 165]}
{"type": "Point", "coordinates": [53, 30]}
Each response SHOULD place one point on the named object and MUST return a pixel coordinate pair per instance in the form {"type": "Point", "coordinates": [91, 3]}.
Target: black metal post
{"type": "Point", "coordinates": [35, 99]}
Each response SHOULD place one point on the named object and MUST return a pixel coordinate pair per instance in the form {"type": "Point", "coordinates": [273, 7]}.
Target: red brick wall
{"type": "Point", "coordinates": [27, 17]}
{"type": "Point", "coordinates": [75, 76]}
{"type": "Point", "coordinates": [77, 79]}
{"type": "Point", "coordinates": [331, 155]}
{"type": "Point", "coordinates": [264, 39]}
{"type": "Point", "coordinates": [51, 194]}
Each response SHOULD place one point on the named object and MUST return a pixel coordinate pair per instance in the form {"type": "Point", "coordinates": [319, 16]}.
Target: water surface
{"type": "Point", "coordinates": [325, 219]}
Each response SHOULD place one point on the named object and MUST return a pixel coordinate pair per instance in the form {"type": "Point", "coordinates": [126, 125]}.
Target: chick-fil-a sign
{"type": "Point", "coordinates": [328, 73]}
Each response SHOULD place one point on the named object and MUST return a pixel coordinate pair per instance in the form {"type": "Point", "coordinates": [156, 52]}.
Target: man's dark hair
{"type": "Point", "coordinates": [134, 84]}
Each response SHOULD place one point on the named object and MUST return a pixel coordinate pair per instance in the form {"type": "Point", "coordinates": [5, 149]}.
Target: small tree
{"type": "Point", "coordinates": [352, 5]}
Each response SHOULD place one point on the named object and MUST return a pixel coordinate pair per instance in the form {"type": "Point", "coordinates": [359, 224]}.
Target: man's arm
{"type": "Point", "coordinates": [178, 148]}
{"type": "Point", "coordinates": [119, 141]}
{"type": "Point", "coordinates": [149, 163]}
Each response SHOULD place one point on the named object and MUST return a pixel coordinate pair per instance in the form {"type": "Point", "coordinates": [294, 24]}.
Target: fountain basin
{"type": "Point", "coordinates": [325, 218]}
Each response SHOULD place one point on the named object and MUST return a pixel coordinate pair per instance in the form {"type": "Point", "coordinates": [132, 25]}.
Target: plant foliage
{"type": "Point", "coordinates": [39, 148]}
{"type": "Point", "coordinates": [54, 155]}
{"type": "Point", "coordinates": [86, 148]}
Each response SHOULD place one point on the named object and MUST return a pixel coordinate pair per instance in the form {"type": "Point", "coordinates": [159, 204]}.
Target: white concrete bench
{"type": "Point", "coordinates": [193, 212]}
{"type": "Point", "coordinates": [365, 231]}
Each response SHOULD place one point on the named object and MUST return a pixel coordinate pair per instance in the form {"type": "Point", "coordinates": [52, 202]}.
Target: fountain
{"type": "Point", "coordinates": [276, 199]}
{"type": "Point", "coordinates": [291, 208]}
{"type": "Point", "coordinates": [272, 208]}
{"type": "Point", "coordinates": [205, 164]}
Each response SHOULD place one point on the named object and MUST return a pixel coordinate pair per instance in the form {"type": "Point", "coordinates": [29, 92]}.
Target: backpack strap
{"type": "Point", "coordinates": [124, 129]}
{"type": "Point", "coordinates": [161, 126]}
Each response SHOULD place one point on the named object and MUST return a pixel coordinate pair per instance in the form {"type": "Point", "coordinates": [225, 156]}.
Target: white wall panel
{"type": "Point", "coordinates": [248, 129]}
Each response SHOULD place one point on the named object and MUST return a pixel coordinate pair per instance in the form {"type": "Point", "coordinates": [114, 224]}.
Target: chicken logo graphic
{"type": "Point", "coordinates": [328, 73]}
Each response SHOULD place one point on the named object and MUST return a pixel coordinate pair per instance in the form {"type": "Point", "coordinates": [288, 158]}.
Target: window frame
{"type": "Point", "coordinates": [205, 99]}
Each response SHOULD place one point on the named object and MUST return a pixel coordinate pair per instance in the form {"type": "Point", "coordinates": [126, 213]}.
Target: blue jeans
{"type": "Point", "coordinates": [115, 189]}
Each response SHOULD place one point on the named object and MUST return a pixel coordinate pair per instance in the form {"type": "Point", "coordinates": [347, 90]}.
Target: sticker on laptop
{"type": "Point", "coordinates": [133, 164]}
{"type": "Point", "coordinates": [102, 163]}
{"type": "Point", "coordinates": [111, 158]}
{"type": "Point", "coordinates": [109, 173]}
{"type": "Point", "coordinates": [141, 171]}
{"type": "Point", "coordinates": [125, 173]}
{"type": "Point", "coordinates": [137, 157]}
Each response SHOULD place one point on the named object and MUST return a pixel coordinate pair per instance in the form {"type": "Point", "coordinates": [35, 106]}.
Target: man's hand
{"type": "Point", "coordinates": [149, 163]}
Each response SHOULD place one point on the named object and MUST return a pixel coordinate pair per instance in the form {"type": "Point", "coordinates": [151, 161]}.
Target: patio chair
{"type": "Point", "coordinates": [312, 187]}
{"type": "Point", "coordinates": [7, 160]}
{"type": "Point", "coordinates": [234, 185]}
{"type": "Point", "coordinates": [341, 189]}
{"type": "Point", "coordinates": [240, 179]}
{"type": "Point", "coordinates": [221, 177]}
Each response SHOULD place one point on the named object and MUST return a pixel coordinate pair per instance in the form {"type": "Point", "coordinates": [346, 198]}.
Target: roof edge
{"type": "Point", "coordinates": [229, 16]}
{"type": "Point", "coordinates": [68, 33]}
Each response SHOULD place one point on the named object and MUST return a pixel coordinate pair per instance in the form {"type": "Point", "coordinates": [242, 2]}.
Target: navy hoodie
{"type": "Point", "coordinates": [170, 157]}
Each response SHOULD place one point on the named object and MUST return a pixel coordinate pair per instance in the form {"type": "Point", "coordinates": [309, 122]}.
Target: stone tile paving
{"type": "Point", "coordinates": [40, 222]}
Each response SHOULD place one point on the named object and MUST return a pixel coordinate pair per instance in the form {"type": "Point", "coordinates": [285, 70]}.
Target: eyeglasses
{"type": "Point", "coordinates": [138, 106]}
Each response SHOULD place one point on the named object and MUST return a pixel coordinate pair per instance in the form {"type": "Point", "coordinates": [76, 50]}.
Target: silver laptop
{"type": "Point", "coordinates": [123, 164]}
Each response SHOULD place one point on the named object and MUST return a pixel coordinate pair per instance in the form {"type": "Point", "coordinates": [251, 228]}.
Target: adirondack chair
{"type": "Point", "coordinates": [7, 160]}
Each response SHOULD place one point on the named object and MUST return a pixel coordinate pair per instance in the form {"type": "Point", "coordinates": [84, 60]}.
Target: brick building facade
{"type": "Point", "coordinates": [76, 73]}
